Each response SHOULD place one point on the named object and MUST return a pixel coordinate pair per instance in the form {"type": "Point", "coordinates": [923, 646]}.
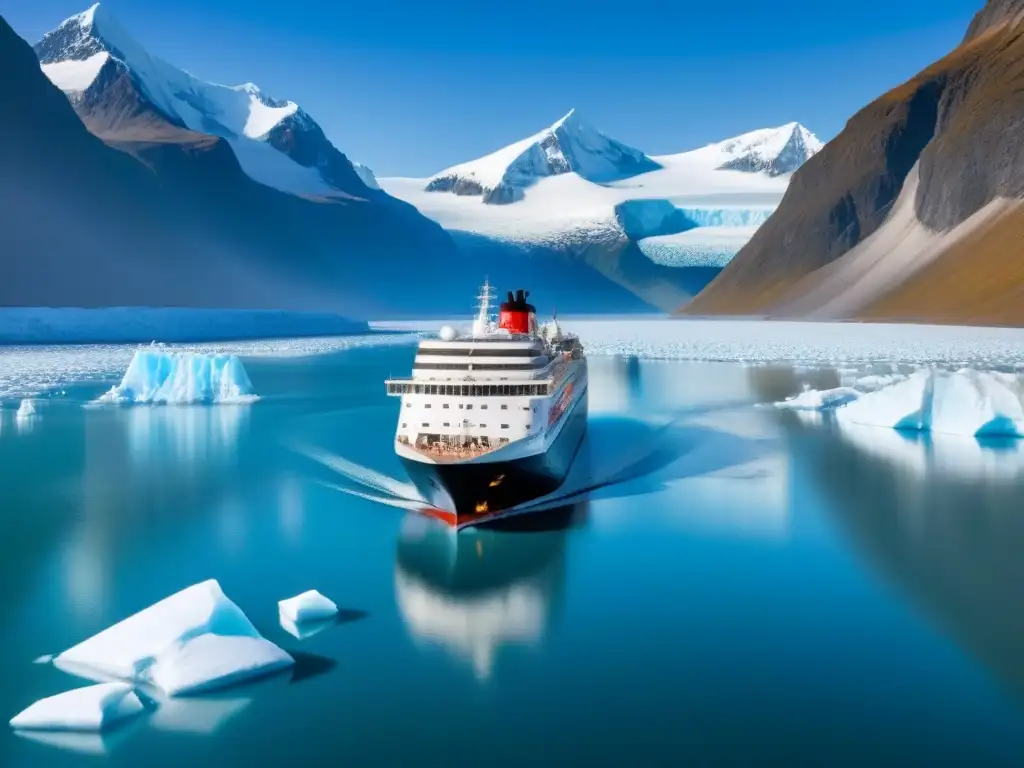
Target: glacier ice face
{"type": "Point", "coordinates": [157, 376]}
{"type": "Point", "coordinates": [309, 606]}
{"type": "Point", "coordinates": [193, 641]}
{"type": "Point", "coordinates": [92, 708]}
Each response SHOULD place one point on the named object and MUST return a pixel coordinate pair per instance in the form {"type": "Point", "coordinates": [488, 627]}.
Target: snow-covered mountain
{"type": "Point", "coordinates": [568, 146]}
{"type": "Point", "coordinates": [570, 187]}
{"type": "Point", "coordinates": [774, 151]}
{"type": "Point", "coordinates": [114, 83]}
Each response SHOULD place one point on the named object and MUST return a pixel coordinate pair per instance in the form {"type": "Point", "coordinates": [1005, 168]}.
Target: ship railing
{"type": "Point", "coordinates": [524, 388]}
{"type": "Point", "coordinates": [453, 447]}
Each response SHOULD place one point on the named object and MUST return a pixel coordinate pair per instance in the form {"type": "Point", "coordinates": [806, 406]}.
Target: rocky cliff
{"type": "Point", "coordinates": [834, 248]}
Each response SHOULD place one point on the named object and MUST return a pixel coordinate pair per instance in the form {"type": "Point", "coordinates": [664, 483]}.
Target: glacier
{"type": "Point", "coordinates": [535, 194]}
{"type": "Point", "coordinates": [158, 376]}
{"type": "Point", "coordinates": [92, 708]}
{"type": "Point", "coordinates": [194, 641]}
{"type": "Point", "coordinates": [699, 247]}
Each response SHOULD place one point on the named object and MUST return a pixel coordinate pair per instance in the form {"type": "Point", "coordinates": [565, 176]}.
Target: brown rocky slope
{"type": "Point", "coordinates": [959, 123]}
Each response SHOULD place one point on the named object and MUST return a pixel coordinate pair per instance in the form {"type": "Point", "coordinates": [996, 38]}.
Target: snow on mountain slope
{"type": "Point", "coordinates": [679, 193]}
{"type": "Point", "coordinates": [75, 76]}
{"type": "Point", "coordinates": [257, 126]}
{"type": "Point", "coordinates": [568, 146]}
{"type": "Point", "coordinates": [774, 151]}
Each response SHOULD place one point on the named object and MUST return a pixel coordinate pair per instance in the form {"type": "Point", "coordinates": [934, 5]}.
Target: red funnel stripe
{"type": "Point", "coordinates": [514, 321]}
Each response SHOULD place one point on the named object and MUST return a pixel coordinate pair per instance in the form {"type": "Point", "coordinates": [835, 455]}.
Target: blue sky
{"type": "Point", "coordinates": [410, 87]}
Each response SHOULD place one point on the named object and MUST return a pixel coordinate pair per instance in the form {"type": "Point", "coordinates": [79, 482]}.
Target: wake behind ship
{"type": "Point", "coordinates": [493, 418]}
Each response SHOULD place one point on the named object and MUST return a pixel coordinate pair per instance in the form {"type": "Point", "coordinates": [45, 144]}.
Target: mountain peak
{"type": "Point", "coordinates": [775, 151]}
{"type": "Point", "coordinates": [994, 14]}
{"type": "Point", "coordinates": [567, 146]}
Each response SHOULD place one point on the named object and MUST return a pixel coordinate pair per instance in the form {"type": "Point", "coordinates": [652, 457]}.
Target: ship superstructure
{"type": "Point", "coordinates": [494, 416]}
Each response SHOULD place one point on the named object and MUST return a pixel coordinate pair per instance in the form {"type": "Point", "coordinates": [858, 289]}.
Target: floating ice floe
{"type": "Point", "coordinates": [26, 409]}
{"type": "Point", "coordinates": [966, 402]}
{"type": "Point", "coordinates": [158, 376]}
{"type": "Point", "coordinates": [92, 708]}
{"type": "Point", "coordinates": [309, 606]}
{"type": "Point", "coordinates": [819, 399]}
{"type": "Point", "coordinates": [193, 641]}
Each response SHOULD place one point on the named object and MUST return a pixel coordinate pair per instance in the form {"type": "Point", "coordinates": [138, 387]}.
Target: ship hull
{"type": "Point", "coordinates": [482, 491]}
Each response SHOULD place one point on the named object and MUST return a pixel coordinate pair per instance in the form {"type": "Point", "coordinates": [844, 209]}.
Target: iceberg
{"type": "Point", "coordinates": [92, 708]}
{"type": "Point", "coordinates": [309, 606]}
{"type": "Point", "coordinates": [209, 662]}
{"type": "Point", "coordinates": [970, 403]}
{"type": "Point", "coordinates": [26, 409]}
{"type": "Point", "coordinates": [158, 376]}
{"type": "Point", "coordinates": [193, 641]}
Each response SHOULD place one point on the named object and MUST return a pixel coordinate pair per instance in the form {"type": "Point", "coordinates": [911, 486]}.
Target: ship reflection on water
{"type": "Point", "coordinates": [485, 588]}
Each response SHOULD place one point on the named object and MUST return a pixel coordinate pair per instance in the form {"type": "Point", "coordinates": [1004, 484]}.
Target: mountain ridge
{"type": "Point", "coordinates": [243, 114]}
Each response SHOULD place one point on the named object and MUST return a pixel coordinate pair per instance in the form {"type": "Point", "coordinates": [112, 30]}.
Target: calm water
{"type": "Point", "coordinates": [761, 589]}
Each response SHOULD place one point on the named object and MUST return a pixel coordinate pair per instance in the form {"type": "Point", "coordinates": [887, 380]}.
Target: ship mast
{"type": "Point", "coordinates": [482, 323]}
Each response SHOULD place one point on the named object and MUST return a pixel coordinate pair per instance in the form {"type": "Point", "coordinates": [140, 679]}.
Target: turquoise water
{"type": "Point", "coordinates": [761, 589]}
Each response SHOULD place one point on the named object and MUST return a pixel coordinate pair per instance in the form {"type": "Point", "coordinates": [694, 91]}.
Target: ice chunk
{"type": "Point", "coordinates": [92, 708]}
{"type": "Point", "coordinates": [156, 375]}
{"type": "Point", "coordinates": [309, 606]}
{"type": "Point", "coordinates": [27, 409]}
{"type": "Point", "coordinates": [967, 402]}
{"type": "Point", "coordinates": [211, 661]}
{"type": "Point", "coordinates": [161, 645]}
{"type": "Point", "coordinates": [819, 399]}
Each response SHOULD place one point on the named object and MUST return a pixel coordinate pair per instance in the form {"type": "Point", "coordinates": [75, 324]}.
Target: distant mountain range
{"type": "Point", "coordinates": [662, 227]}
{"type": "Point", "coordinates": [915, 211]}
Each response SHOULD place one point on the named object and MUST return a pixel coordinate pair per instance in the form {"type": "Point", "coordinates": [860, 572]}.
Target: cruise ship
{"type": "Point", "coordinates": [493, 417]}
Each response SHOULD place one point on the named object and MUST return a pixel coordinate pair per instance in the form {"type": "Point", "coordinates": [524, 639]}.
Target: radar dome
{"type": "Point", "coordinates": [448, 333]}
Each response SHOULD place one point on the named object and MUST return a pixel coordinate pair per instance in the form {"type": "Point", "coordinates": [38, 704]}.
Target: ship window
{"type": "Point", "coordinates": [404, 425]}
{"type": "Point", "coordinates": [503, 426]}
{"type": "Point", "coordinates": [427, 405]}
{"type": "Point", "coordinates": [504, 406]}
{"type": "Point", "coordinates": [483, 426]}
{"type": "Point", "coordinates": [408, 405]}
{"type": "Point", "coordinates": [425, 424]}
{"type": "Point", "coordinates": [445, 405]}
{"type": "Point", "coordinates": [527, 427]}
{"type": "Point", "coordinates": [447, 424]}
{"type": "Point", "coordinates": [469, 406]}
{"type": "Point", "coordinates": [484, 406]}
{"type": "Point", "coordinates": [461, 406]}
